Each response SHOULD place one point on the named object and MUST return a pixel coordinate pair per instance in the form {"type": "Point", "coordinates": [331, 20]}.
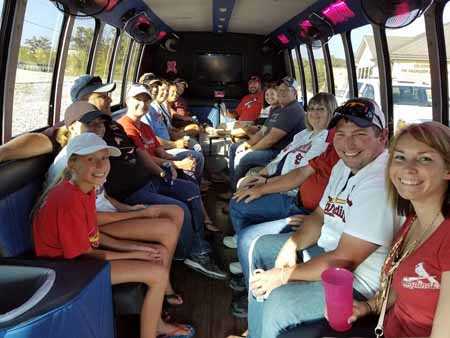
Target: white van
{"type": "Point", "coordinates": [412, 101]}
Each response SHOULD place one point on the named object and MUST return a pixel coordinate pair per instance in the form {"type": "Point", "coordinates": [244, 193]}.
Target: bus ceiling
{"type": "Point", "coordinates": [316, 22]}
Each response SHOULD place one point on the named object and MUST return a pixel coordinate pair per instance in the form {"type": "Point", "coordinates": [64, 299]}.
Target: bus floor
{"type": "Point", "coordinates": [206, 301]}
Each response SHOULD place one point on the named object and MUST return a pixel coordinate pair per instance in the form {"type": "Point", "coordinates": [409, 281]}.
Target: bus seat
{"type": "Point", "coordinates": [79, 303]}
{"type": "Point", "coordinates": [20, 185]}
{"type": "Point", "coordinates": [119, 113]}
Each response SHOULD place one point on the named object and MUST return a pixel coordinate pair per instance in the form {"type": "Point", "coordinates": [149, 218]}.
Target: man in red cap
{"type": "Point", "coordinates": [251, 105]}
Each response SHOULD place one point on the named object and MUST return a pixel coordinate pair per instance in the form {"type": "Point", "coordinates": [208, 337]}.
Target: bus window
{"type": "Point", "coordinates": [297, 74]}
{"type": "Point", "coordinates": [321, 71]}
{"type": "Point", "coordinates": [446, 21]}
{"type": "Point", "coordinates": [411, 80]}
{"type": "Point", "coordinates": [1, 10]}
{"type": "Point", "coordinates": [363, 45]}
{"type": "Point", "coordinates": [38, 46]}
{"type": "Point", "coordinates": [134, 62]}
{"type": "Point", "coordinates": [340, 74]}
{"type": "Point", "coordinates": [104, 51]}
{"type": "Point", "coordinates": [119, 66]}
{"type": "Point", "coordinates": [307, 68]}
{"type": "Point", "coordinates": [77, 58]}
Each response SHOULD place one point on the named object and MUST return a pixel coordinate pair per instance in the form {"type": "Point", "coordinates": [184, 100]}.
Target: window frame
{"type": "Point", "coordinates": [312, 65]}
{"type": "Point", "coordinates": [97, 30]}
{"type": "Point", "coordinates": [328, 68]}
{"type": "Point", "coordinates": [350, 62]}
{"type": "Point", "coordinates": [302, 75]}
{"type": "Point", "coordinates": [6, 31]}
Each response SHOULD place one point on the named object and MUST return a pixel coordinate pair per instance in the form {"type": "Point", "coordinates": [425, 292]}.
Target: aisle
{"type": "Point", "coordinates": [206, 301]}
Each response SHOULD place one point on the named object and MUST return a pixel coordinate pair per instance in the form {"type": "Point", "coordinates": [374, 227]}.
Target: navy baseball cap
{"type": "Point", "coordinates": [87, 84]}
{"type": "Point", "coordinates": [362, 111]}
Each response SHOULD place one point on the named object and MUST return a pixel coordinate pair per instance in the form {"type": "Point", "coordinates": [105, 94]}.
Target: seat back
{"type": "Point", "coordinates": [20, 185]}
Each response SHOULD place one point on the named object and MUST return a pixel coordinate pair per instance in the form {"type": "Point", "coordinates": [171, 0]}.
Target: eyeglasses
{"type": "Point", "coordinates": [364, 110]}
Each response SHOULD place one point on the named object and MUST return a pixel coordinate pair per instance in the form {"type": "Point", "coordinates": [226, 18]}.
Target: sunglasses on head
{"type": "Point", "coordinates": [288, 81]}
{"type": "Point", "coordinates": [364, 110]}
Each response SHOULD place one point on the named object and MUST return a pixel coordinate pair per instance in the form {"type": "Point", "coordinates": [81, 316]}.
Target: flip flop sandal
{"type": "Point", "coordinates": [173, 299]}
{"type": "Point", "coordinates": [174, 334]}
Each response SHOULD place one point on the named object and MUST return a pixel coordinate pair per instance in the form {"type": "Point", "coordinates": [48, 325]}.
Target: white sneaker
{"type": "Point", "coordinates": [236, 268]}
{"type": "Point", "coordinates": [230, 242]}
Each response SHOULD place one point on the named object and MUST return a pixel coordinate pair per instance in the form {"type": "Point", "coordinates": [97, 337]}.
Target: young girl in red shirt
{"type": "Point", "coordinates": [65, 226]}
{"type": "Point", "coordinates": [415, 283]}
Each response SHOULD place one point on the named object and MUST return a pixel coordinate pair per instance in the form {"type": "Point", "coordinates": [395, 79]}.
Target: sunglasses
{"type": "Point", "coordinates": [364, 110]}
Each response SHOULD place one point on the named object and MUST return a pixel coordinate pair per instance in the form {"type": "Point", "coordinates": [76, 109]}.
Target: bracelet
{"type": "Point", "coordinates": [369, 307]}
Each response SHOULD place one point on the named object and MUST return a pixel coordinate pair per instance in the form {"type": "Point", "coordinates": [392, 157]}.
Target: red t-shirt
{"type": "Point", "coordinates": [141, 134]}
{"type": "Point", "coordinates": [250, 106]}
{"type": "Point", "coordinates": [311, 191]}
{"type": "Point", "coordinates": [180, 108]}
{"type": "Point", "coordinates": [417, 284]}
{"type": "Point", "coordinates": [66, 224]}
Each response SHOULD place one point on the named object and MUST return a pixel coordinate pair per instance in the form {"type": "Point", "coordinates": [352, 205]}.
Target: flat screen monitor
{"type": "Point", "coordinates": [218, 68]}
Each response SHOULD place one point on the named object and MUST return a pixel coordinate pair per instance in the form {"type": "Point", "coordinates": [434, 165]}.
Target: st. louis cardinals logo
{"type": "Point", "coordinates": [423, 280]}
{"type": "Point", "coordinates": [335, 208]}
{"type": "Point", "coordinates": [249, 104]}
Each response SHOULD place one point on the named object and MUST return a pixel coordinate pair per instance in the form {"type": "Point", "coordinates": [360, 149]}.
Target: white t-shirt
{"type": "Point", "coordinates": [358, 206]}
{"type": "Point", "coordinates": [304, 147]}
{"type": "Point", "coordinates": [55, 171]}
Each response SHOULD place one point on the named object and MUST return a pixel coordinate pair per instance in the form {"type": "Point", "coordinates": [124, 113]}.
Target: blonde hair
{"type": "Point", "coordinates": [434, 135]}
{"type": "Point", "coordinates": [65, 175]}
{"type": "Point", "coordinates": [324, 99]}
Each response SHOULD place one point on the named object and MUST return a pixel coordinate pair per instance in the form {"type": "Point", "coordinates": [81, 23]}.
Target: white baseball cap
{"type": "Point", "coordinates": [89, 143]}
{"type": "Point", "coordinates": [137, 89]}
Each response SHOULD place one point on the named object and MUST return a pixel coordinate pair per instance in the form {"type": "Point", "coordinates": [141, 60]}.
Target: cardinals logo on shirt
{"type": "Point", "coordinates": [249, 104]}
{"type": "Point", "coordinates": [335, 207]}
{"type": "Point", "coordinates": [422, 280]}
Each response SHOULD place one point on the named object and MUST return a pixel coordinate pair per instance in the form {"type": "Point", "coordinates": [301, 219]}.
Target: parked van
{"type": "Point", "coordinates": [412, 101]}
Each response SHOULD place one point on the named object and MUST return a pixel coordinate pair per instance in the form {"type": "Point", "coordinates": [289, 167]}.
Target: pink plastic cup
{"type": "Point", "coordinates": [338, 286]}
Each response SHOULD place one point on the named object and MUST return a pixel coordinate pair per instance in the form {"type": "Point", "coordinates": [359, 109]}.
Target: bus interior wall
{"type": "Point", "coordinates": [254, 62]}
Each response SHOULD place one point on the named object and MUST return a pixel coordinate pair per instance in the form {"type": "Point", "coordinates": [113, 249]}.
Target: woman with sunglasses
{"type": "Point", "coordinates": [415, 281]}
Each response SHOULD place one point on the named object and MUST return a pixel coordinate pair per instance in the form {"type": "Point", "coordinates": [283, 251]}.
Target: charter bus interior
{"type": "Point", "coordinates": [394, 52]}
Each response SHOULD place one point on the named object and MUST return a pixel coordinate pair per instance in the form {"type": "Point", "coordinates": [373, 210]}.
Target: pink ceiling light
{"type": "Point", "coordinates": [305, 26]}
{"type": "Point", "coordinates": [162, 35]}
{"type": "Point", "coordinates": [338, 12]}
{"type": "Point", "coordinates": [283, 38]}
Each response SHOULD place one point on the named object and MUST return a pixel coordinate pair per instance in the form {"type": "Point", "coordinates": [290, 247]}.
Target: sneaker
{"type": "Point", "coordinates": [235, 268]}
{"type": "Point", "coordinates": [237, 284]}
{"type": "Point", "coordinates": [239, 307]}
{"type": "Point", "coordinates": [205, 265]}
{"type": "Point", "coordinates": [230, 242]}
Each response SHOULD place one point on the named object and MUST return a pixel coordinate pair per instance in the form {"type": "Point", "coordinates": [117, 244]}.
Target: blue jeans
{"type": "Point", "coordinates": [289, 305]}
{"type": "Point", "coordinates": [250, 234]}
{"type": "Point", "coordinates": [186, 195]}
{"type": "Point", "coordinates": [181, 154]}
{"type": "Point", "coordinates": [242, 162]}
{"type": "Point", "coordinates": [267, 208]}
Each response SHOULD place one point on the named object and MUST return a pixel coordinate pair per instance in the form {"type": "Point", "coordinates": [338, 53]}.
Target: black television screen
{"type": "Point", "coordinates": [218, 68]}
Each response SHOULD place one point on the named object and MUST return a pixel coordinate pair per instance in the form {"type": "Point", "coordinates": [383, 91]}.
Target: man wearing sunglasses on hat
{"type": "Point", "coordinates": [351, 228]}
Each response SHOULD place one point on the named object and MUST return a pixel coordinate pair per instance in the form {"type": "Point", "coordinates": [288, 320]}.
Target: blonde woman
{"type": "Point", "coordinates": [65, 226]}
{"type": "Point", "coordinates": [248, 206]}
{"type": "Point", "coordinates": [415, 283]}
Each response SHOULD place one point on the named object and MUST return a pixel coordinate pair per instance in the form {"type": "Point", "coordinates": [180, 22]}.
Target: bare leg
{"type": "Point", "coordinates": [156, 277]}
{"type": "Point", "coordinates": [161, 230]}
